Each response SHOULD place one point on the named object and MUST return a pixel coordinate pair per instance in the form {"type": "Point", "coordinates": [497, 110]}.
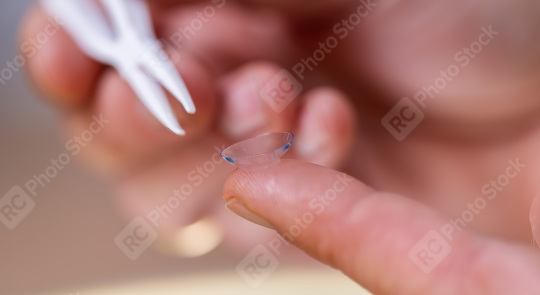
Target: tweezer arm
{"type": "Point", "coordinates": [85, 23]}
{"type": "Point", "coordinates": [118, 11]}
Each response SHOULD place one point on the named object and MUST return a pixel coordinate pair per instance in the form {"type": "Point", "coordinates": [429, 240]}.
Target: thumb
{"type": "Point", "coordinates": [378, 239]}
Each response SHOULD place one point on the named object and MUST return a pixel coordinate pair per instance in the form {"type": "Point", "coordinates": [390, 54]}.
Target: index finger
{"type": "Point", "coordinates": [387, 243]}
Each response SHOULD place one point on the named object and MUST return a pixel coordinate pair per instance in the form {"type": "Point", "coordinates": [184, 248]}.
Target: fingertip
{"type": "Point", "coordinates": [245, 110]}
{"type": "Point", "coordinates": [283, 182]}
{"type": "Point", "coordinates": [237, 184]}
{"type": "Point", "coordinates": [326, 129]}
{"type": "Point", "coordinates": [57, 66]}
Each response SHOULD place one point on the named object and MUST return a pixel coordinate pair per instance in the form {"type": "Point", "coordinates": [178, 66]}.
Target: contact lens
{"type": "Point", "coordinates": [260, 150]}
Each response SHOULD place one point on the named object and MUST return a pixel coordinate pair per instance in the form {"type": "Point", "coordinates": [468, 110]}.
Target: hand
{"type": "Point", "coordinates": [369, 234]}
{"type": "Point", "coordinates": [148, 164]}
{"type": "Point", "coordinates": [481, 119]}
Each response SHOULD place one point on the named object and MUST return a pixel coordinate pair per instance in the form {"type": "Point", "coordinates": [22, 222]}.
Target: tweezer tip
{"type": "Point", "coordinates": [175, 127]}
{"type": "Point", "coordinates": [187, 103]}
{"type": "Point", "coordinates": [178, 131]}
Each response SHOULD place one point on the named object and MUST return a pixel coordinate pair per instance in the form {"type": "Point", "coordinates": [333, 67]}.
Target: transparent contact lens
{"type": "Point", "coordinates": [260, 150]}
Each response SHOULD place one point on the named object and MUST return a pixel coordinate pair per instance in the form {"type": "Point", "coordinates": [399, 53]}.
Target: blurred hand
{"type": "Point", "coordinates": [150, 165]}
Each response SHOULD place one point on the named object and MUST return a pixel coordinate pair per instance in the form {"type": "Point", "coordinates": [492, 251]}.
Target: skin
{"type": "Point", "coordinates": [484, 118]}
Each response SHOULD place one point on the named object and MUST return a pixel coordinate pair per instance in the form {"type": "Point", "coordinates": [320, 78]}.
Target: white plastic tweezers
{"type": "Point", "coordinates": [127, 42]}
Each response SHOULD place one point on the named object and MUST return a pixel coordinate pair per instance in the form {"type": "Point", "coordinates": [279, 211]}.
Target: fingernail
{"type": "Point", "coordinates": [311, 142]}
{"type": "Point", "coordinates": [238, 208]}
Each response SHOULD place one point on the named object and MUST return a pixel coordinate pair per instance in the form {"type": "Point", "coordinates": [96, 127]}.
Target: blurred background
{"type": "Point", "coordinates": [67, 240]}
